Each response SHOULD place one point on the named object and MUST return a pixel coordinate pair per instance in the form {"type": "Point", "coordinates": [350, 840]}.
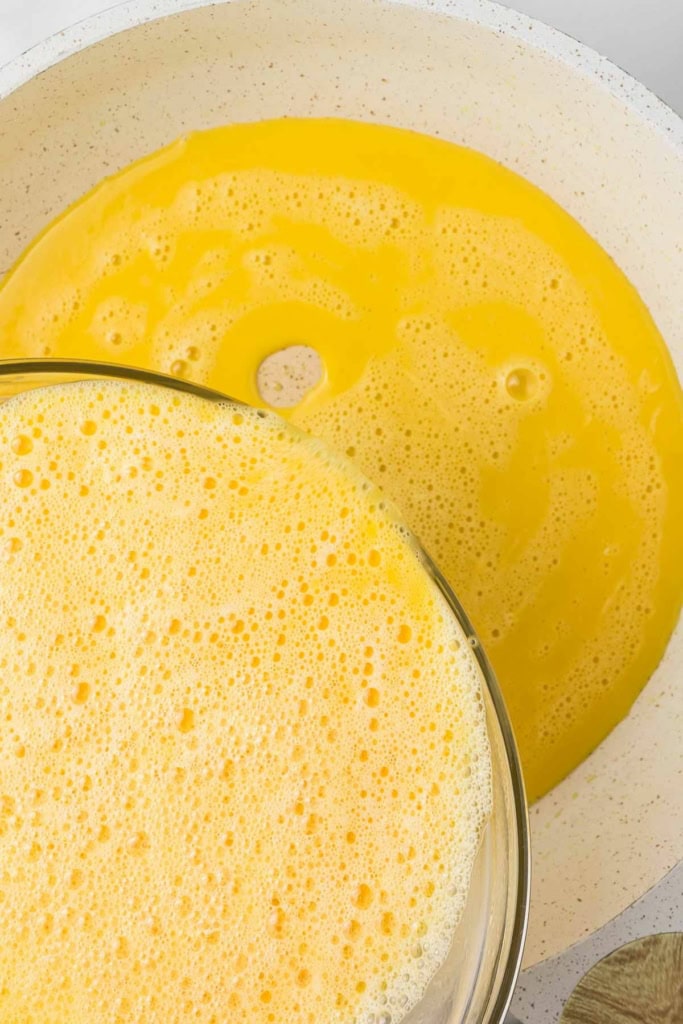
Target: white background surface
{"type": "Point", "coordinates": [644, 37]}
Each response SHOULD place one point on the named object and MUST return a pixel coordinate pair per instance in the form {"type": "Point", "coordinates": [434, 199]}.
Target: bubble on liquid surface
{"type": "Point", "coordinates": [521, 384]}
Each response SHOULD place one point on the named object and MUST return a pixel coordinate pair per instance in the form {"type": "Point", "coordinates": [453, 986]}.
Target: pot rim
{"type": "Point", "coordinates": [488, 14]}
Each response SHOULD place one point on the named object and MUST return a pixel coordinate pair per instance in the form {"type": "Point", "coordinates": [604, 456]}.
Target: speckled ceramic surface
{"type": "Point", "coordinates": [469, 71]}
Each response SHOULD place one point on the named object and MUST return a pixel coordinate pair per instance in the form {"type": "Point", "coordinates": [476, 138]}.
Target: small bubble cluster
{"type": "Point", "coordinates": [245, 767]}
{"type": "Point", "coordinates": [485, 363]}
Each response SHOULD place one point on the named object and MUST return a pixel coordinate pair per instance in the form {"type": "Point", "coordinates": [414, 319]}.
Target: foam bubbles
{"type": "Point", "coordinates": [223, 795]}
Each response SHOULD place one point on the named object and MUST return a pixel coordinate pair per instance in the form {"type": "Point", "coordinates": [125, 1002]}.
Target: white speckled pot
{"type": "Point", "coordinates": [478, 74]}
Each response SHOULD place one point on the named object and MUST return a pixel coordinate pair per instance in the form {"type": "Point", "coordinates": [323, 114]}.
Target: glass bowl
{"type": "Point", "coordinates": [474, 983]}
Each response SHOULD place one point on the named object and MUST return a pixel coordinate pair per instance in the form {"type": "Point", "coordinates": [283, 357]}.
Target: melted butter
{"type": "Point", "coordinates": [484, 361]}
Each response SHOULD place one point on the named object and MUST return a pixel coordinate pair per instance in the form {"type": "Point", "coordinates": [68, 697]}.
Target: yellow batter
{"type": "Point", "coordinates": [244, 757]}
{"type": "Point", "coordinates": [485, 362]}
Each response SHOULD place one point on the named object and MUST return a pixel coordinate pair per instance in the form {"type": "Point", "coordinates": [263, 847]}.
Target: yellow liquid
{"type": "Point", "coordinates": [245, 762]}
{"type": "Point", "coordinates": [485, 362]}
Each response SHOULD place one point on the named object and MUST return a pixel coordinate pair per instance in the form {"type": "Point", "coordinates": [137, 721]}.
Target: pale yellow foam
{"type": "Point", "coordinates": [244, 759]}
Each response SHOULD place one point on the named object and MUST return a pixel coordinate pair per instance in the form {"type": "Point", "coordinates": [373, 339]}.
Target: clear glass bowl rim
{"type": "Point", "coordinates": [34, 368]}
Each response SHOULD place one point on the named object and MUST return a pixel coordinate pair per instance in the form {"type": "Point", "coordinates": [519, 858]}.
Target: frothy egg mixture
{"type": "Point", "coordinates": [484, 361]}
{"type": "Point", "coordinates": [244, 757]}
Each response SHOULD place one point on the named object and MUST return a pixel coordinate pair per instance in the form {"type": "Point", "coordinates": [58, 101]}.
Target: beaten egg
{"type": "Point", "coordinates": [475, 352]}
